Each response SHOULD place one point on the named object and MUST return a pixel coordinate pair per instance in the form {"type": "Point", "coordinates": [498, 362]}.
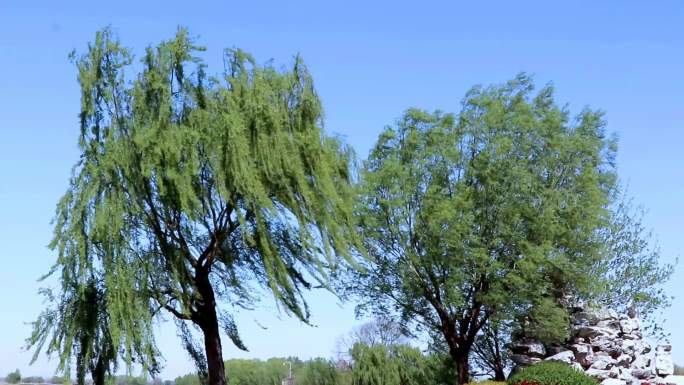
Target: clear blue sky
{"type": "Point", "coordinates": [370, 61]}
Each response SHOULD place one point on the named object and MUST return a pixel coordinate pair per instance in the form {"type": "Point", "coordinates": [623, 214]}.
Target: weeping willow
{"type": "Point", "coordinates": [192, 193]}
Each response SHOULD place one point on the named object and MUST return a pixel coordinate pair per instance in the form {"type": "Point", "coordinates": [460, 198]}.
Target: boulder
{"type": "Point", "coordinates": [552, 350]}
{"type": "Point", "coordinates": [613, 381]}
{"type": "Point", "coordinates": [642, 347]}
{"type": "Point", "coordinates": [525, 360]}
{"type": "Point", "coordinates": [601, 314]}
{"type": "Point", "coordinates": [628, 346]}
{"type": "Point", "coordinates": [635, 335]}
{"type": "Point", "coordinates": [626, 375]}
{"type": "Point", "coordinates": [583, 353]}
{"type": "Point", "coordinates": [528, 347]}
{"type": "Point", "coordinates": [624, 360]}
{"type": "Point", "coordinates": [629, 325]}
{"type": "Point", "coordinates": [641, 362]}
{"type": "Point", "coordinates": [602, 361]}
{"type": "Point", "coordinates": [612, 324]}
{"type": "Point", "coordinates": [566, 356]}
{"type": "Point", "coordinates": [595, 331]}
{"type": "Point", "coordinates": [664, 365]}
{"type": "Point", "coordinates": [642, 374]}
{"type": "Point", "coordinates": [598, 373]}
{"type": "Point", "coordinates": [607, 345]}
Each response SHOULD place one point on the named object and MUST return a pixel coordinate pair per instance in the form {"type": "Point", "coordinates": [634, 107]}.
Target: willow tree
{"type": "Point", "coordinates": [491, 213]}
{"type": "Point", "coordinates": [200, 190]}
{"type": "Point", "coordinates": [77, 327]}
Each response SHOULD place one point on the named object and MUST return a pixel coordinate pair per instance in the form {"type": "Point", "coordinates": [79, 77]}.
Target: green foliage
{"type": "Point", "coordinates": [194, 190]}
{"type": "Point", "coordinates": [551, 373]}
{"type": "Point", "coordinates": [127, 380]}
{"type": "Point", "coordinates": [14, 377]}
{"type": "Point", "coordinates": [188, 379]}
{"type": "Point", "coordinates": [392, 365]}
{"type": "Point", "coordinates": [77, 326]}
{"type": "Point", "coordinates": [373, 365]}
{"type": "Point", "coordinates": [395, 365]}
{"type": "Point", "coordinates": [490, 356]}
{"type": "Point", "coordinates": [318, 371]}
{"type": "Point", "coordinates": [491, 212]}
{"type": "Point", "coordinates": [679, 370]}
{"type": "Point", "coordinates": [33, 380]}
{"type": "Point", "coordinates": [632, 273]}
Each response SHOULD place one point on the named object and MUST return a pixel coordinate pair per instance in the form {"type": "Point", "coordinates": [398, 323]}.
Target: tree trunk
{"type": "Point", "coordinates": [460, 358]}
{"type": "Point", "coordinates": [208, 322]}
{"type": "Point", "coordinates": [499, 374]}
{"type": "Point", "coordinates": [98, 372]}
{"type": "Point", "coordinates": [212, 347]}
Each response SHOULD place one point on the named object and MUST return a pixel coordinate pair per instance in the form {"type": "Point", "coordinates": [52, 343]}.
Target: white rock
{"type": "Point", "coordinates": [602, 361]}
{"type": "Point", "coordinates": [612, 324]}
{"type": "Point", "coordinates": [641, 362]}
{"type": "Point", "coordinates": [608, 345]}
{"type": "Point", "coordinates": [600, 374]}
{"type": "Point", "coordinates": [624, 360]}
{"type": "Point", "coordinates": [663, 348]}
{"type": "Point", "coordinates": [613, 381]}
{"type": "Point", "coordinates": [583, 353]}
{"type": "Point", "coordinates": [626, 375]}
{"type": "Point", "coordinates": [522, 359]}
{"type": "Point", "coordinates": [635, 335]}
{"type": "Point", "coordinates": [595, 331]}
{"type": "Point", "coordinates": [529, 347]}
{"type": "Point", "coordinates": [629, 325]}
{"type": "Point", "coordinates": [642, 347]}
{"type": "Point", "coordinates": [642, 374]}
{"type": "Point", "coordinates": [602, 314]}
{"type": "Point", "coordinates": [628, 346]}
{"type": "Point", "coordinates": [566, 356]}
{"type": "Point", "coordinates": [663, 364]}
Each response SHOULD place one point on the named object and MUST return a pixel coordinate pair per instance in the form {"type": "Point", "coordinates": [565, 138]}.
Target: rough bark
{"type": "Point", "coordinates": [98, 372]}
{"type": "Point", "coordinates": [207, 320]}
{"type": "Point", "coordinates": [462, 369]}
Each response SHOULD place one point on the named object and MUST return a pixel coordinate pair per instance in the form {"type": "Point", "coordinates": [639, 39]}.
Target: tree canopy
{"type": "Point", "coordinates": [494, 211]}
{"type": "Point", "coordinates": [192, 192]}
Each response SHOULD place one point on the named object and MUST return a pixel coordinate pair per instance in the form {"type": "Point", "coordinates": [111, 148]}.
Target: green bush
{"type": "Point", "coordinates": [33, 380]}
{"type": "Point", "coordinates": [551, 373]}
{"type": "Point", "coordinates": [14, 377]}
{"type": "Point", "coordinates": [679, 370]}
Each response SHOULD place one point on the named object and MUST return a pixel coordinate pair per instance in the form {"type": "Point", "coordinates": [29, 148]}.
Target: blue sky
{"type": "Point", "coordinates": [370, 61]}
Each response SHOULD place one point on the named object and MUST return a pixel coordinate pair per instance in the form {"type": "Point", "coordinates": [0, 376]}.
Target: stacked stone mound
{"type": "Point", "coordinates": [605, 345]}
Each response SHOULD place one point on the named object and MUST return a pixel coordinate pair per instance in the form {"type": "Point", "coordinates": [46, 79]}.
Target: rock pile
{"type": "Point", "coordinates": [605, 345]}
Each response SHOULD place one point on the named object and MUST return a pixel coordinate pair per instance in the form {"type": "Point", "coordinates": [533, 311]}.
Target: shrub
{"type": "Point", "coordinates": [14, 377]}
{"type": "Point", "coordinates": [551, 373]}
{"type": "Point", "coordinates": [679, 370]}
{"type": "Point", "coordinates": [33, 380]}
